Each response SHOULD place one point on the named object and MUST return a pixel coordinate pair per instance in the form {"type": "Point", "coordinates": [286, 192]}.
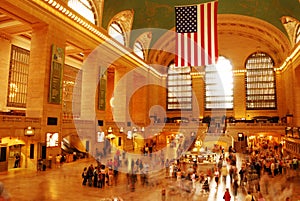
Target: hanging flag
{"type": "Point", "coordinates": [196, 35]}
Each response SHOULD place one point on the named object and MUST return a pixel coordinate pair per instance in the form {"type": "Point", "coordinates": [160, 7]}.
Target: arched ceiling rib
{"type": "Point", "coordinates": [238, 35]}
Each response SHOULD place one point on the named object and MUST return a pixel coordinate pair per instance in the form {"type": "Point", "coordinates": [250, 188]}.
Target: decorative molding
{"type": "Point", "coordinates": [5, 36]}
{"type": "Point", "coordinates": [124, 19]}
{"type": "Point", "coordinates": [290, 24]}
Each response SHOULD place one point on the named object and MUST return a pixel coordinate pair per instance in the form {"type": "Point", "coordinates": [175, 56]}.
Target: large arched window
{"type": "Point", "coordinates": [84, 8]}
{"type": "Point", "coordinates": [260, 82]}
{"type": "Point", "coordinates": [116, 32]}
{"type": "Point", "coordinates": [219, 85]}
{"type": "Point", "coordinates": [179, 88]}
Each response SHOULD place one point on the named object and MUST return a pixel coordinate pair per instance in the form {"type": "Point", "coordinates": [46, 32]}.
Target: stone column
{"type": "Point", "coordinates": [5, 45]}
{"type": "Point", "coordinates": [296, 116]}
{"type": "Point", "coordinates": [239, 98]}
{"type": "Point", "coordinates": [119, 103]}
{"type": "Point", "coordinates": [37, 105]}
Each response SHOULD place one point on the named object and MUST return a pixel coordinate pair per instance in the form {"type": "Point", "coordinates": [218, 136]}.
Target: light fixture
{"type": "Point", "coordinates": [121, 129]}
{"type": "Point", "coordinates": [29, 131]}
{"type": "Point", "coordinates": [109, 130]}
{"type": "Point", "coordinates": [134, 129]}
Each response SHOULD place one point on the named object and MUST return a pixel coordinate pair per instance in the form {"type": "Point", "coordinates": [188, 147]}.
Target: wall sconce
{"type": "Point", "coordinates": [143, 129]}
{"type": "Point", "coordinates": [121, 129]}
{"type": "Point", "coordinates": [109, 130]}
{"type": "Point", "coordinates": [241, 137]}
{"type": "Point", "coordinates": [134, 129]}
{"type": "Point", "coordinates": [29, 131]}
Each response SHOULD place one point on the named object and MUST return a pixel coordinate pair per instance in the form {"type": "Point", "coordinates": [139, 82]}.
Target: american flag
{"type": "Point", "coordinates": [196, 34]}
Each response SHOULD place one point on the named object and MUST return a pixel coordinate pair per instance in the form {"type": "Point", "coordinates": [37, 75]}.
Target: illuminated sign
{"type": "Point", "coordinates": [52, 139]}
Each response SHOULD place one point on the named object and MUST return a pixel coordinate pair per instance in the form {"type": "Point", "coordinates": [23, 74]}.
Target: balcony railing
{"type": "Point", "coordinates": [256, 124]}
{"type": "Point", "coordinates": [19, 121]}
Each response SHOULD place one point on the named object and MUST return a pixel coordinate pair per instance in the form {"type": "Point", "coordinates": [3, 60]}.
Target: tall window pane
{"type": "Point", "coordinates": [138, 50]}
{"type": "Point", "coordinates": [260, 82]}
{"type": "Point", "coordinates": [71, 93]}
{"type": "Point", "coordinates": [219, 85]}
{"type": "Point", "coordinates": [116, 32]}
{"type": "Point", "coordinates": [18, 77]}
{"type": "Point", "coordinates": [179, 88]}
{"type": "Point", "coordinates": [84, 8]}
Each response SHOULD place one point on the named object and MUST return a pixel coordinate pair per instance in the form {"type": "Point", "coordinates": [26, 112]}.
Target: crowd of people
{"type": "Point", "coordinates": [263, 162]}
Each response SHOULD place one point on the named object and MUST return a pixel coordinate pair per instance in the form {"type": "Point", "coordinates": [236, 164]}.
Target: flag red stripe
{"type": "Point", "coordinates": [189, 52]}
{"type": "Point", "coordinates": [215, 31]}
{"type": "Point", "coordinates": [195, 42]}
{"type": "Point", "coordinates": [209, 48]}
{"type": "Point", "coordinates": [202, 33]}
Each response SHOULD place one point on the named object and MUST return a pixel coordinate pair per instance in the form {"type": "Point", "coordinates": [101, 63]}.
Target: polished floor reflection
{"type": "Point", "coordinates": [65, 183]}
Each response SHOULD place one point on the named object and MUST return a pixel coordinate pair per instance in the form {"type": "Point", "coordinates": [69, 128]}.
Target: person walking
{"type": "Point", "coordinates": [84, 176]}
{"type": "Point", "coordinates": [235, 187]}
{"type": "Point", "coordinates": [248, 197]}
{"type": "Point", "coordinates": [227, 195]}
{"type": "Point", "coordinates": [216, 174]}
{"type": "Point", "coordinates": [224, 173]}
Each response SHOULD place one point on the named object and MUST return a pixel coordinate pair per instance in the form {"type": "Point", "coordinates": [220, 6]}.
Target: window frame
{"type": "Point", "coordinates": [82, 10]}
{"type": "Point", "coordinates": [181, 86]}
{"type": "Point", "coordinates": [72, 82]}
{"type": "Point", "coordinates": [262, 80]}
{"type": "Point", "coordinates": [117, 30]}
{"type": "Point", "coordinates": [297, 35]}
{"type": "Point", "coordinates": [221, 100]}
{"type": "Point", "coordinates": [18, 77]}
{"type": "Point", "coordinates": [138, 49]}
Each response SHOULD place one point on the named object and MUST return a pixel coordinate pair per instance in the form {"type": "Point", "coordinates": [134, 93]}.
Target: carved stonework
{"type": "Point", "coordinates": [290, 24]}
{"type": "Point", "coordinates": [5, 36]}
{"type": "Point", "coordinates": [124, 19]}
{"type": "Point", "coordinates": [145, 39]}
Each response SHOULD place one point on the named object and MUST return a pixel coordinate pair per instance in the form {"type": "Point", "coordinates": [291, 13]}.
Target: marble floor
{"type": "Point", "coordinates": [65, 184]}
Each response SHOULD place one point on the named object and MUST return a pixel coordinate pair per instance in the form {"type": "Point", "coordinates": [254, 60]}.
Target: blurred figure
{"type": "Point", "coordinates": [227, 195]}
{"type": "Point", "coordinates": [84, 176]}
{"type": "Point", "coordinates": [216, 174]}
{"type": "Point", "coordinates": [260, 197]}
{"type": "Point", "coordinates": [235, 187]}
{"type": "Point", "coordinates": [17, 160]}
{"type": "Point", "coordinates": [4, 196]}
{"type": "Point", "coordinates": [224, 173]}
{"type": "Point", "coordinates": [248, 196]}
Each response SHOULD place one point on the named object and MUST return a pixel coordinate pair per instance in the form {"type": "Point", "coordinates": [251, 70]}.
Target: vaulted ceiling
{"type": "Point", "coordinates": [244, 26]}
{"type": "Point", "coordinates": [159, 14]}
